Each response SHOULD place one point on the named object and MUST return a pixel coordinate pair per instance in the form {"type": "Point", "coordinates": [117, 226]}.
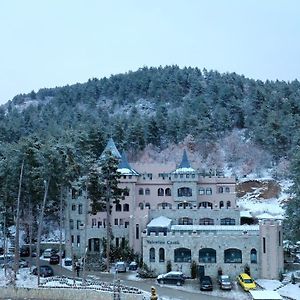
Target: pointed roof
{"type": "Point", "coordinates": [110, 146]}
{"type": "Point", "coordinates": [124, 167]}
{"type": "Point", "coordinates": [184, 166]}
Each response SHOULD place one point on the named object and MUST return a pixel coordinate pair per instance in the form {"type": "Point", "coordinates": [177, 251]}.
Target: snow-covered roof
{"type": "Point", "coordinates": [184, 166]}
{"type": "Point", "coordinates": [265, 295]}
{"type": "Point", "coordinates": [245, 214]}
{"type": "Point", "coordinates": [215, 227]}
{"type": "Point", "coordinates": [265, 216]}
{"type": "Point", "coordinates": [160, 221]}
{"type": "Point", "coordinates": [124, 167]}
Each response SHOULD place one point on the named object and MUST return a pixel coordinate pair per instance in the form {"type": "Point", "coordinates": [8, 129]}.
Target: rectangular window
{"type": "Point", "coordinates": [126, 224]}
{"type": "Point", "coordinates": [121, 222]}
{"type": "Point", "coordinates": [80, 209]}
{"type": "Point", "coordinates": [279, 238]}
{"type": "Point", "coordinates": [78, 239]}
{"type": "Point", "coordinates": [117, 242]}
{"type": "Point", "coordinates": [137, 231]}
{"type": "Point", "coordinates": [264, 245]}
{"type": "Point", "coordinates": [94, 222]}
{"type": "Point", "coordinates": [73, 206]}
{"type": "Point", "coordinates": [116, 222]}
{"type": "Point", "coordinates": [72, 238]}
{"type": "Point", "coordinates": [78, 224]}
{"type": "Point", "coordinates": [99, 224]}
{"type": "Point", "coordinates": [123, 242]}
{"type": "Point", "coordinates": [71, 224]}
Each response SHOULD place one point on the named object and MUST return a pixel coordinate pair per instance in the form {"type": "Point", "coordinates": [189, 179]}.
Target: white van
{"type": "Point", "coordinates": [120, 266]}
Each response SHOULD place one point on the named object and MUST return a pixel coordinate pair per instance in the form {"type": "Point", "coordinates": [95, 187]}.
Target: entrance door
{"type": "Point", "coordinates": [201, 271]}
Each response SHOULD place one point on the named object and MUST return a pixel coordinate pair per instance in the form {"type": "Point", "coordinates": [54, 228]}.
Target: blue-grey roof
{"type": "Point", "coordinates": [124, 167]}
{"type": "Point", "coordinates": [184, 162]}
{"type": "Point", "coordinates": [112, 148]}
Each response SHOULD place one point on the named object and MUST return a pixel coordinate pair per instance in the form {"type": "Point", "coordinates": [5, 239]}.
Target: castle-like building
{"type": "Point", "coordinates": [177, 215]}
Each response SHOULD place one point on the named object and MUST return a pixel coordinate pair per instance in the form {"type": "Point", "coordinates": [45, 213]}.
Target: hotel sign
{"type": "Point", "coordinates": [162, 242]}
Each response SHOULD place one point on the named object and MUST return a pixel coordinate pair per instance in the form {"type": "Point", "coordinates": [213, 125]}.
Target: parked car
{"type": "Point", "coordinates": [48, 252]}
{"type": "Point", "coordinates": [45, 271]}
{"type": "Point", "coordinates": [7, 258]}
{"type": "Point", "coordinates": [133, 266]}
{"type": "Point", "coordinates": [206, 283]}
{"type": "Point", "coordinates": [54, 259]}
{"type": "Point", "coordinates": [23, 263]}
{"type": "Point", "coordinates": [246, 282]}
{"type": "Point", "coordinates": [120, 267]}
{"type": "Point", "coordinates": [225, 282]}
{"type": "Point", "coordinates": [68, 262]}
{"type": "Point", "coordinates": [171, 277]}
{"type": "Point", "coordinates": [24, 252]}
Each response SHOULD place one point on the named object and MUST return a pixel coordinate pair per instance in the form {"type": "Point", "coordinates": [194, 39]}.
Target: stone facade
{"type": "Point", "coordinates": [204, 214]}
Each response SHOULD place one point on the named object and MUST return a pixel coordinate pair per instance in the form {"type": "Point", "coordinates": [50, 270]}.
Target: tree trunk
{"type": "Point", "coordinates": [46, 184]}
{"type": "Point", "coordinates": [17, 246]}
{"type": "Point", "coordinates": [60, 226]}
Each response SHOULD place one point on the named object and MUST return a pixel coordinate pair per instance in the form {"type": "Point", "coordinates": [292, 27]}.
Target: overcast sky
{"type": "Point", "coordinates": [48, 43]}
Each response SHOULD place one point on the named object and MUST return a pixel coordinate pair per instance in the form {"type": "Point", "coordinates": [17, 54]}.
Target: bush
{"type": "Point", "coordinates": [169, 266]}
{"type": "Point", "coordinates": [193, 269]}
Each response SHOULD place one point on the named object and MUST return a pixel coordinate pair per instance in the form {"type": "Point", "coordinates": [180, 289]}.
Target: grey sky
{"type": "Point", "coordinates": [48, 43]}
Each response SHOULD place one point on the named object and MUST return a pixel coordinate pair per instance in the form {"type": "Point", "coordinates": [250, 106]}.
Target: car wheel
{"type": "Point", "coordinates": [178, 283]}
{"type": "Point", "coordinates": [162, 282]}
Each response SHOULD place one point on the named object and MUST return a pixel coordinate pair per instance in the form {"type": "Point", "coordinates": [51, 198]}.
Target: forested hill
{"type": "Point", "coordinates": [160, 106]}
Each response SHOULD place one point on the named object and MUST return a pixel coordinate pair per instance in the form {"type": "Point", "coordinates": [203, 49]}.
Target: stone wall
{"type": "Point", "coordinates": [62, 294]}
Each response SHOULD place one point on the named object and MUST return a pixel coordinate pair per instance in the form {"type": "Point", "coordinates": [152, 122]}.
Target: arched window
{"type": "Point", "coordinates": [161, 254]}
{"type": "Point", "coordinates": [201, 191]}
{"type": "Point", "coordinates": [233, 255]}
{"type": "Point", "coordinates": [227, 221]}
{"type": "Point", "coordinates": [126, 207]}
{"type": "Point", "coordinates": [164, 205]}
{"type": "Point", "coordinates": [182, 255]}
{"type": "Point", "coordinates": [147, 191]}
{"type": "Point", "coordinates": [141, 191]}
{"type": "Point", "coordinates": [205, 204]}
{"type": "Point", "coordinates": [228, 204]}
{"type": "Point", "coordinates": [220, 189]}
{"type": "Point", "coordinates": [184, 205]}
{"type": "Point", "coordinates": [206, 221]}
{"type": "Point", "coordinates": [184, 192]}
{"type": "Point", "coordinates": [152, 255]}
{"type": "Point", "coordinates": [147, 205]}
{"type": "Point", "coordinates": [118, 207]}
{"type": "Point", "coordinates": [185, 221]}
{"type": "Point", "coordinates": [227, 189]}
{"type": "Point", "coordinates": [141, 205]}
{"type": "Point", "coordinates": [168, 192]}
{"type": "Point", "coordinates": [160, 192]}
{"type": "Point", "coordinates": [71, 224]}
{"type": "Point", "coordinates": [126, 191]}
{"type": "Point", "coordinates": [253, 256]}
{"type": "Point", "coordinates": [207, 255]}
{"type": "Point", "coordinates": [208, 191]}
{"type": "Point", "coordinates": [221, 204]}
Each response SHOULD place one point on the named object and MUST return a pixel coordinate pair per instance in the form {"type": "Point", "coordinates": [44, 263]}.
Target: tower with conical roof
{"type": "Point", "coordinates": [185, 166]}
{"type": "Point", "coordinates": [111, 146]}
{"type": "Point", "coordinates": [124, 167]}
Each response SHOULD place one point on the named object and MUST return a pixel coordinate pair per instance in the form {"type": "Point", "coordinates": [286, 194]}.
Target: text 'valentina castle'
{"type": "Point", "coordinates": [178, 215]}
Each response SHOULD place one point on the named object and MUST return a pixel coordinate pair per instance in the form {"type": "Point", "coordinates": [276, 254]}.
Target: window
{"type": "Point", "coordinates": [80, 209]}
{"type": "Point", "coordinates": [221, 204]}
{"type": "Point", "coordinates": [147, 205]}
{"type": "Point", "coordinates": [126, 191]}
{"type": "Point", "coordinates": [126, 224]}
{"type": "Point", "coordinates": [126, 207]}
{"type": "Point", "coordinates": [73, 207]}
{"type": "Point", "coordinates": [72, 238]}
{"type": "Point", "coordinates": [279, 238]}
{"type": "Point", "coordinates": [116, 221]}
{"type": "Point", "coordinates": [168, 192]}
{"type": "Point", "coordinates": [160, 192]}
{"type": "Point", "coordinates": [264, 245]}
{"type": "Point", "coordinates": [220, 189]}
{"type": "Point", "coordinates": [206, 204]}
{"type": "Point", "coordinates": [71, 224]}
{"type": "Point", "coordinates": [184, 192]}
{"type": "Point", "coordinates": [227, 189]}
{"type": "Point", "coordinates": [78, 224]}
{"type": "Point", "coordinates": [206, 221]}
{"type": "Point", "coordinates": [141, 205]}
{"type": "Point", "coordinates": [80, 193]}
{"type": "Point", "coordinates": [99, 224]}
{"type": "Point", "coordinates": [73, 193]}
{"type": "Point", "coordinates": [209, 191]}
{"type": "Point", "coordinates": [182, 255]}
{"type": "Point", "coordinates": [201, 191]}
{"type": "Point", "coordinates": [94, 222]}
{"type": "Point", "coordinates": [118, 207]}
{"type": "Point", "coordinates": [123, 242]}
{"type": "Point", "coordinates": [207, 255]}
{"type": "Point", "coordinates": [161, 254]}
{"type": "Point", "coordinates": [253, 256]}
{"type": "Point", "coordinates": [152, 255]}
{"type": "Point", "coordinates": [141, 191]}
{"type": "Point", "coordinates": [227, 221]}
{"type": "Point", "coordinates": [233, 255]}
{"type": "Point", "coordinates": [137, 231]}
{"type": "Point", "coordinates": [117, 242]}
{"type": "Point", "coordinates": [184, 205]}
{"type": "Point", "coordinates": [185, 221]}
{"type": "Point", "coordinates": [164, 205]}
{"type": "Point", "coordinates": [228, 204]}
{"type": "Point", "coordinates": [147, 191]}
{"type": "Point", "coordinates": [78, 239]}
{"type": "Point", "coordinates": [121, 222]}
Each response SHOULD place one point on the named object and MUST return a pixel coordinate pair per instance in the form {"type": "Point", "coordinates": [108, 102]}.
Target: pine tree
{"type": "Point", "coordinates": [103, 191]}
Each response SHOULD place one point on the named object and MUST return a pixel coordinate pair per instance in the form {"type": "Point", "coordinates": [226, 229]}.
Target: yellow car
{"type": "Point", "coordinates": [246, 282]}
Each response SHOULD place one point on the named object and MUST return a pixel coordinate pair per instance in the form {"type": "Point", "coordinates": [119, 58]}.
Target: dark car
{"type": "Point", "coordinates": [206, 283]}
{"type": "Point", "coordinates": [45, 271]}
{"type": "Point", "coordinates": [172, 277]}
{"type": "Point", "coordinates": [133, 266]}
{"type": "Point", "coordinates": [24, 252]}
{"type": "Point", "coordinates": [54, 259]}
{"type": "Point", "coordinates": [225, 282]}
